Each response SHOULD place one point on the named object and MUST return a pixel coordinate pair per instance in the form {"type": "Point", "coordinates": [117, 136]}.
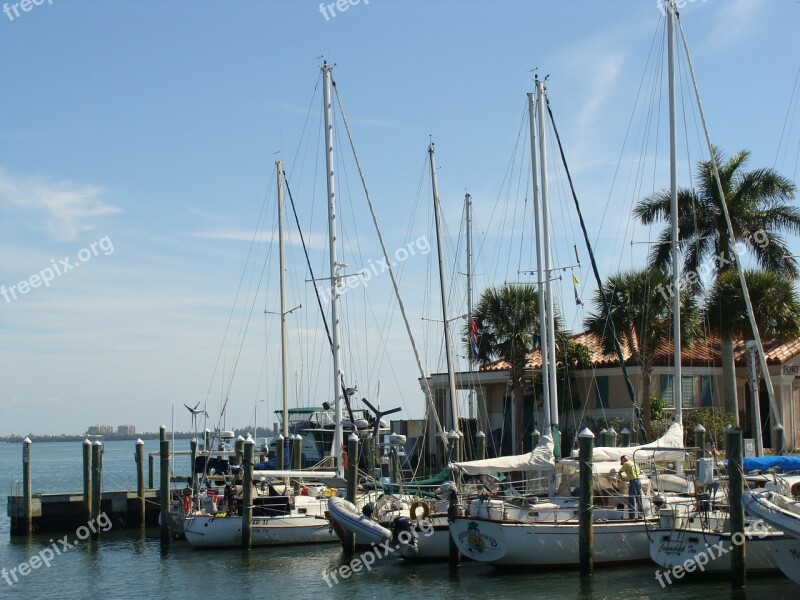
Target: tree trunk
{"type": "Point", "coordinates": [729, 377]}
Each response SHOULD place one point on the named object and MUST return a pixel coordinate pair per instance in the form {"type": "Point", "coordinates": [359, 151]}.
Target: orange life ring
{"type": "Point", "coordinates": [426, 511]}
{"type": "Point", "coordinates": [187, 504]}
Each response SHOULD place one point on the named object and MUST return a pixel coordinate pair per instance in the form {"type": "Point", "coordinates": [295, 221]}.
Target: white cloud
{"type": "Point", "coordinates": [735, 21]}
{"type": "Point", "coordinates": [67, 208]}
{"type": "Point", "coordinates": [313, 240]}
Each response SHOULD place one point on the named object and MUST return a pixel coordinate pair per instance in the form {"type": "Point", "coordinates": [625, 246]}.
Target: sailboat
{"type": "Point", "coordinates": [281, 515]}
{"type": "Point", "coordinates": [536, 531]}
{"type": "Point", "coordinates": [403, 515]}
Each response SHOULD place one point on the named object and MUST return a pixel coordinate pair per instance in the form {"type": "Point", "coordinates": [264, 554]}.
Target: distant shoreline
{"type": "Point", "coordinates": [110, 437]}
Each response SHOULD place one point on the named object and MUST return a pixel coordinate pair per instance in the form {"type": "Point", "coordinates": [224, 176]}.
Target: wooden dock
{"type": "Point", "coordinates": [53, 513]}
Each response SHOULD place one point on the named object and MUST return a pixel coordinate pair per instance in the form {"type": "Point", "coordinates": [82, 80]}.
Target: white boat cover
{"type": "Point", "coordinates": [542, 458]}
{"type": "Point", "coordinates": [672, 438]}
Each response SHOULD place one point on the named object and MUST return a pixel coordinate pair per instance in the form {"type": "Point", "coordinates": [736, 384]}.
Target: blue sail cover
{"type": "Point", "coordinates": [786, 463]}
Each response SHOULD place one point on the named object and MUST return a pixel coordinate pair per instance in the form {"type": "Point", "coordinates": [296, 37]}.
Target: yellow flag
{"type": "Point", "coordinates": [575, 280]}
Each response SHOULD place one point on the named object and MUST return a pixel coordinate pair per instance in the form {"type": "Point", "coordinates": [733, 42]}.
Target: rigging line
{"type": "Point", "coordinates": [308, 261]}
{"type": "Point", "coordinates": [786, 119]}
{"type": "Point", "coordinates": [238, 290]}
{"type": "Point", "coordinates": [425, 382]}
{"type": "Point", "coordinates": [745, 292]}
{"type": "Point", "coordinates": [617, 348]}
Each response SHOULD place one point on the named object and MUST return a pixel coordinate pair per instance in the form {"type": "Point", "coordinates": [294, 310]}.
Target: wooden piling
{"type": "Point", "coordinates": [586, 502]}
{"type": "Point", "coordinates": [700, 440]}
{"type": "Point", "coordinates": [239, 449]}
{"type": "Point", "coordinates": [611, 438]}
{"type": "Point", "coordinates": [369, 447]}
{"type": "Point", "coordinates": [165, 491]}
{"type": "Point", "coordinates": [625, 437]}
{"type": "Point", "coordinates": [480, 445]}
{"type": "Point", "coordinates": [733, 450]}
{"type": "Point", "coordinates": [151, 468]}
{"type": "Point", "coordinates": [140, 482]}
{"type": "Point", "coordinates": [162, 433]}
{"type": "Point", "coordinates": [249, 450]}
{"type": "Point", "coordinates": [777, 440]}
{"type": "Point", "coordinates": [207, 440]}
{"type": "Point", "coordinates": [280, 452]}
{"type": "Point", "coordinates": [87, 479]}
{"type": "Point", "coordinates": [27, 528]}
{"type": "Point", "coordinates": [193, 449]}
{"type": "Point", "coordinates": [601, 437]}
{"type": "Point", "coordinates": [97, 483]}
{"type": "Point", "coordinates": [454, 556]}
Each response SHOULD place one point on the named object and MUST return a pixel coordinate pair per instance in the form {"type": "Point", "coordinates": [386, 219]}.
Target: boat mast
{"type": "Point", "coordinates": [677, 383]}
{"type": "Point", "coordinates": [453, 424]}
{"type": "Point", "coordinates": [470, 354]}
{"type": "Point", "coordinates": [282, 261]}
{"type": "Point", "coordinates": [548, 268]}
{"type": "Point", "coordinates": [336, 451]}
{"type": "Point", "coordinates": [540, 275]}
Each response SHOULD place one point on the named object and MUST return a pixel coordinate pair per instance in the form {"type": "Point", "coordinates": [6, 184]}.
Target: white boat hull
{"type": "Point", "coordinates": [205, 531]}
{"type": "Point", "coordinates": [679, 547]}
{"type": "Point", "coordinates": [304, 524]}
{"type": "Point", "coordinates": [787, 557]}
{"type": "Point", "coordinates": [779, 511]}
{"type": "Point", "coordinates": [548, 544]}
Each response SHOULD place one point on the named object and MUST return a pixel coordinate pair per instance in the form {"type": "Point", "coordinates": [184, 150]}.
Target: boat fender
{"type": "Point", "coordinates": [329, 492]}
{"type": "Point", "coordinates": [413, 510]}
{"type": "Point", "coordinates": [187, 504]}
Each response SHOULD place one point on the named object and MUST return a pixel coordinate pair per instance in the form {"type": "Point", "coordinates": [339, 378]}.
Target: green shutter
{"type": "Point", "coordinates": [666, 391]}
{"type": "Point", "coordinates": [601, 392]}
{"type": "Point", "coordinates": [705, 391]}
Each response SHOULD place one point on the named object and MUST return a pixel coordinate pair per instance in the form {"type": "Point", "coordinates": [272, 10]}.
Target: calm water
{"type": "Point", "coordinates": [126, 566]}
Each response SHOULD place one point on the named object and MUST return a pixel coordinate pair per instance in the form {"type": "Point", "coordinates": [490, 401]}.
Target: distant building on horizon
{"type": "Point", "coordinates": [126, 429]}
{"type": "Point", "coordinates": [100, 429]}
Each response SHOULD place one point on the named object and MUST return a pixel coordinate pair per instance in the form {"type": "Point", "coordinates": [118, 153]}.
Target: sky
{"type": "Point", "coordinates": [138, 143]}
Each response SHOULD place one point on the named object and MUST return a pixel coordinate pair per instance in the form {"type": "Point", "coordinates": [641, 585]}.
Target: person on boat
{"type": "Point", "coordinates": [230, 496]}
{"type": "Point", "coordinates": [630, 471]}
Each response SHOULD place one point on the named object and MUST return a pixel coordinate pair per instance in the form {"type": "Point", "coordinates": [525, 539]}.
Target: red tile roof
{"type": "Point", "coordinates": [705, 353]}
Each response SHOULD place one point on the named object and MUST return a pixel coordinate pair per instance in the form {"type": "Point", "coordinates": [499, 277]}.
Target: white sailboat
{"type": "Point", "coordinates": [544, 532]}
{"type": "Point", "coordinates": [281, 516]}
{"type": "Point", "coordinates": [701, 532]}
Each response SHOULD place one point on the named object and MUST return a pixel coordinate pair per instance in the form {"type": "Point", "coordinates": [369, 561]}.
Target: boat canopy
{"type": "Point", "coordinates": [672, 438]}
{"type": "Point", "coordinates": [541, 458]}
{"type": "Point", "coordinates": [762, 463]}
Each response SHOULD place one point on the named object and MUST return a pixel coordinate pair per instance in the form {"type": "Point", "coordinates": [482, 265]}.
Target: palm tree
{"type": "Point", "coordinates": [640, 306]}
{"type": "Point", "coordinates": [778, 314]}
{"type": "Point", "coordinates": [507, 320]}
{"type": "Point", "coordinates": [759, 212]}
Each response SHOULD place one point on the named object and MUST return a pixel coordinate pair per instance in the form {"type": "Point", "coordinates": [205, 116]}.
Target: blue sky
{"type": "Point", "coordinates": [150, 129]}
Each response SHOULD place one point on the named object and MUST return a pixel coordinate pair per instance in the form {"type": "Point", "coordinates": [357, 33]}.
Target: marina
{"type": "Point", "coordinates": [589, 389]}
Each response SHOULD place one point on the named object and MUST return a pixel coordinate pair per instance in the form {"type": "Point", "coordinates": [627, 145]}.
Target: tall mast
{"type": "Point", "coordinates": [548, 267]}
{"type": "Point", "coordinates": [453, 424]}
{"type": "Point", "coordinates": [677, 387]}
{"type": "Point", "coordinates": [282, 261]}
{"type": "Point", "coordinates": [470, 354]}
{"type": "Point", "coordinates": [334, 267]}
{"type": "Point", "coordinates": [540, 274]}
